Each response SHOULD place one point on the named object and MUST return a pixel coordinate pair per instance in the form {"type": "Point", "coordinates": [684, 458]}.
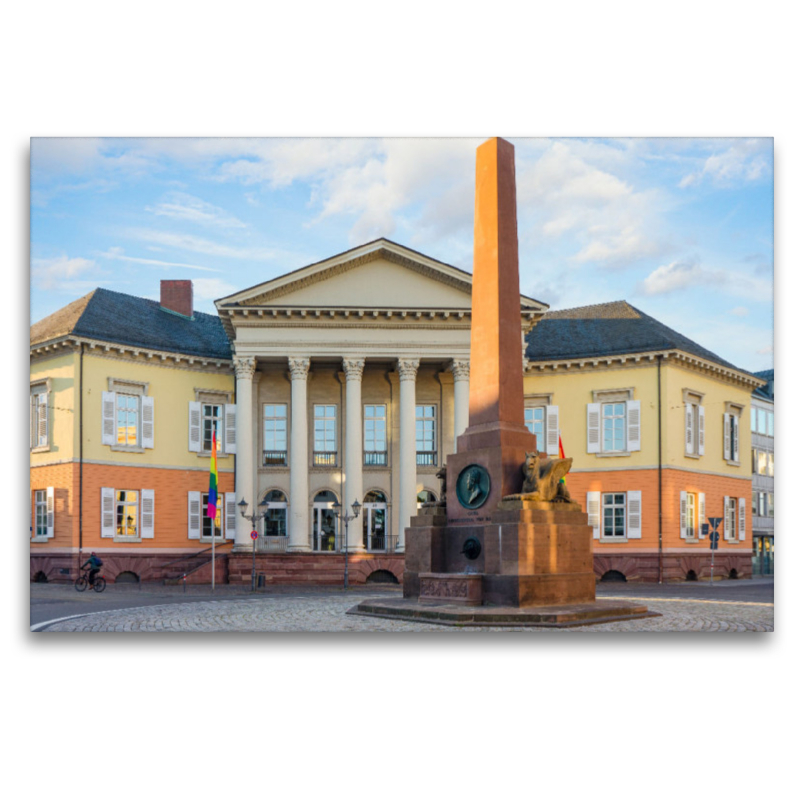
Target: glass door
{"type": "Point", "coordinates": [324, 523]}
{"type": "Point", "coordinates": [375, 522]}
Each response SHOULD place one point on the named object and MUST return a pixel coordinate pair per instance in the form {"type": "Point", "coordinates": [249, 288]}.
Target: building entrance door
{"type": "Point", "coordinates": [325, 523]}
{"type": "Point", "coordinates": [375, 522]}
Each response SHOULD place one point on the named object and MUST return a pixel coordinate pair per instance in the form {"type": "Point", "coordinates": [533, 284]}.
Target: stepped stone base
{"type": "Point", "coordinates": [561, 616]}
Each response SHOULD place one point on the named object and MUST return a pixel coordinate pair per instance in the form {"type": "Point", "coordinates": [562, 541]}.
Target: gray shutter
{"type": "Point", "coordinates": [742, 519]}
{"type": "Point", "coordinates": [32, 410]}
{"type": "Point", "coordinates": [194, 427]}
{"type": "Point", "coordinates": [230, 428]}
{"type": "Point", "coordinates": [109, 404]}
{"type": "Point", "coordinates": [107, 513]}
{"type": "Point", "coordinates": [701, 430]}
{"type": "Point", "coordinates": [51, 512]}
{"type": "Point", "coordinates": [689, 433]}
{"type": "Point", "coordinates": [41, 426]}
{"type": "Point", "coordinates": [195, 509]}
{"type": "Point", "coordinates": [726, 437]}
{"type": "Point", "coordinates": [634, 419]}
{"type": "Point", "coordinates": [230, 515]}
{"type": "Point", "coordinates": [683, 515]}
{"type": "Point", "coordinates": [735, 443]}
{"type": "Point", "coordinates": [593, 427]}
{"type": "Point", "coordinates": [148, 514]}
{"type": "Point", "coordinates": [551, 433]}
{"type": "Point", "coordinates": [701, 512]}
{"type": "Point", "coordinates": [726, 517]}
{"type": "Point", "coordinates": [635, 515]}
{"type": "Point", "coordinates": [593, 510]}
{"type": "Point", "coordinates": [148, 423]}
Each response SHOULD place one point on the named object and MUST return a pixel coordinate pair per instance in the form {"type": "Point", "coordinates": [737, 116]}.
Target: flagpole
{"type": "Point", "coordinates": [213, 554]}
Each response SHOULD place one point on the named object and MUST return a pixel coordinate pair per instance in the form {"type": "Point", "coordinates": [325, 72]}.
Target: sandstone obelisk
{"type": "Point", "coordinates": [496, 438]}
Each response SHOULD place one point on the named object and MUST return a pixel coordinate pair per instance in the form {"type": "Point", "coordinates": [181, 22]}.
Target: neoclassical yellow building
{"type": "Point", "coordinates": [349, 380]}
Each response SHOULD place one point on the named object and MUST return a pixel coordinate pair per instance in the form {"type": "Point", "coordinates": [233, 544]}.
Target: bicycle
{"type": "Point", "coordinates": [82, 582]}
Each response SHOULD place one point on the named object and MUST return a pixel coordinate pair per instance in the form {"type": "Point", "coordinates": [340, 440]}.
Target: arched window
{"type": "Point", "coordinates": [425, 497]}
{"type": "Point", "coordinates": [375, 521]}
{"type": "Point", "coordinates": [325, 522]}
{"type": "Point", "coordinates": [275, 521]}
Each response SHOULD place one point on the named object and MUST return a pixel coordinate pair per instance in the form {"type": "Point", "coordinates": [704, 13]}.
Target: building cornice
{"type": "Point", "coordinates": [66, 344]}
{"type": "Point", "coordinates": [648, 358]}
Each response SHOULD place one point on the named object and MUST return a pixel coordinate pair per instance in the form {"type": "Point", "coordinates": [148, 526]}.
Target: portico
{"type": "Point", "coordinates": [352, 384]}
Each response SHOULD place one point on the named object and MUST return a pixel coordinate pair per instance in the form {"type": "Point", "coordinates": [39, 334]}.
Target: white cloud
{"type": "Point", "coordinates": [744, 160]}
{"type": "Point", "coordinates": [739, 311]}
{"type": "Point", "coordinates": [117, 254]}
{"type": "Point", "coordinates": [181, 206]}
{"type": "Point", "coordinates": [196, 244]}
{"type": "Point", "coordinates": [55, 273]}
{"type": "Point", "coordinates": [680, 275]}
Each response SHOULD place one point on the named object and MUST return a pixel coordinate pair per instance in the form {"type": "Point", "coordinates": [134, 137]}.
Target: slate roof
{"type": "Point", "coordinates": [768, 390]}
{"type": "Point", "coordinates": [124, 319]}
{"type": "Point", "coordinates": [607, 329]}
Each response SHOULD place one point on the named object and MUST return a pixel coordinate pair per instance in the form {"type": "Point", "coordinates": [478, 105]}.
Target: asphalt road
{"type": "Point", "coordinates": [55, 601]}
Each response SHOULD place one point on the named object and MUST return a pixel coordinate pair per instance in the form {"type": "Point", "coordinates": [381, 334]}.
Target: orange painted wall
{"type": "Point", "coordinates": [674, 481]}
{"type": "Point", "coordinates": [171, 488]}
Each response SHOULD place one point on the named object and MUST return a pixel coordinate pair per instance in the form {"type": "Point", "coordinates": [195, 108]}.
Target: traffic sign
{"type": "Point", "coordinates": [254, 535]}
{"type": "Point", "coordinates": [704, 529]}
{"type": "Point", "coordinates": [713, 540]}
{"type": "Point", "coordinates": [714, 521]}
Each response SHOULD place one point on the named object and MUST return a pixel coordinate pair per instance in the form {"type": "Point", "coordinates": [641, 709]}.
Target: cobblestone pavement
{"type": "Point", "coordinates": [327, 613]}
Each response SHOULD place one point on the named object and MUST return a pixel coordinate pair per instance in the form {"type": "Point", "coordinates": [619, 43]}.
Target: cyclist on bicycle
{"type": "Point", "coordinates": [94, 563]}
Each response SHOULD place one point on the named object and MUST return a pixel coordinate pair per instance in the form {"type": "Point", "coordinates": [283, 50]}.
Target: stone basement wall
{"type": "Point", "coordinates": [312, 568]}
{"type": "Point", "coordinates": [644, 567]}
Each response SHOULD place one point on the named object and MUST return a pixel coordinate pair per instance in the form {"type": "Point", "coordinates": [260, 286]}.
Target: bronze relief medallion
{"type": "Point", "coordinates": [472, 486]}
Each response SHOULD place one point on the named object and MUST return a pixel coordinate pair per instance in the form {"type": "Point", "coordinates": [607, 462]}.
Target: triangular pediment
{"type": "Point", "coordinates": [378, 274]}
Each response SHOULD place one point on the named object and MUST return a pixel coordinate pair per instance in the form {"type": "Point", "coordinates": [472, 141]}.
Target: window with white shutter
{"type": "Point", "coordinates": [194, 515]}
{"type": "Point", "coordinates": [683, 514]}
{"type": "Point", "coordinates": [593, 510]}
{"type": "Point", "coordinates": [728, 518]}
{"type": "Point", "coordinates": [742, 519]}
{"type": "Point", "coordinates": [39, 416]}
{"type": "Point", "coordinates": [701, 431]}
{"type": "Point", "coordinates": [148, 423]}
{"type": "Point", "coordinates": [230, 515]}
{"type": "Point", "coordinates": [51, 512]}
{"type": "Point", "coordinates": [634, 414]}
{"type": "Point", "coordinates": [148, 514]}
{"type": "Point", "coordinates": [701, 512]}
{"type": "Point", "coordinates": [107, 513]}
{"type": "Point", "coordinates": [635, 515]}
{"type": "Point", "coordinates": [194, 427]}
{"type": "Point", "coordinates": [689, 429]}
{"type": "Point", "coordinates": [735, 438]}
{"type": "Point", "coordinates": [593, 428]}
{"type": "Point", "coordinates": [109, 404]}
{"type": "Point", "coordinates": [230, 428]}
{"type": "Point", "coordinates": [551, 413]}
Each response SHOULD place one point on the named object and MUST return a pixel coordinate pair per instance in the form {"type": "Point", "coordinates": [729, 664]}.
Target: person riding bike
{"type": "Point", "coordinates": [94, 562]}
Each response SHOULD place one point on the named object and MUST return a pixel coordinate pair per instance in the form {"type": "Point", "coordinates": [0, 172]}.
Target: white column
{"type": "Point", "coordinates": [245, 467]}
{"type": "Point", "coordinates": [353, 450]}
{"type": "Point", "coordinates": [407, 367]}
{"type": "Point", "coordinates": [460, 370]}
{"type": "Point", "coordinates": [299, 525]}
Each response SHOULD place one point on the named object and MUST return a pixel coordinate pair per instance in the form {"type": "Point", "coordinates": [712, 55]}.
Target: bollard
{"type": "Point", "coordinates": [184, 583]}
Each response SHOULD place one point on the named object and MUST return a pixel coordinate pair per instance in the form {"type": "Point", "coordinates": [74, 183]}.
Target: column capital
{"type": "Point", "coordinates": [460, 370]}
{"type": "Point", "coordinates": [245, 367]}
{"type": "Point", "coordinates": [299, 368]}
{"type": "Point", "coordinates": [407, 367]}
{"type": "Point", "coordinates": [354, 368]}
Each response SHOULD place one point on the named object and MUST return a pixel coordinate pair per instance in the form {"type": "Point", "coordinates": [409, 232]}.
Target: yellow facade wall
{"type": "Point", "coordinates": [61, 370]}
{"type": "Point", "coordinates": [572, 391]}
{"type": "Point", "coordinates": [716, 393]}
{"type": "Point", "coordinates": [172, 389]}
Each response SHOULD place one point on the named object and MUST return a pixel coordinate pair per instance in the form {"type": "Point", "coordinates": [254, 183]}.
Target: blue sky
{"type": "Point", "coordinates": [681, 228]}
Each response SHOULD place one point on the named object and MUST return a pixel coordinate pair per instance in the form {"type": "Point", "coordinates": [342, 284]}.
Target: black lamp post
{"type": "Point", "coordinates": [346, 518]}
{"type": "Point", "coordinates": [253, 518]}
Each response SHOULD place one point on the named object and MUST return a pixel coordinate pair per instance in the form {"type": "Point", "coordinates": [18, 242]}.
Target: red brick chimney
{"type": "Point", "coordinates": [177, 296]}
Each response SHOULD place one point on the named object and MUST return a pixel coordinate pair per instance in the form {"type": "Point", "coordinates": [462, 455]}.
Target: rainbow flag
{"type": "Point", "coordinates": [212, 480]}
{"type": "Point", "coordinates": [561, 455]}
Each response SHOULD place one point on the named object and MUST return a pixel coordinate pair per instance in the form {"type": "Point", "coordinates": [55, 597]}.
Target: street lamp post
{"type": "Point", "coordinates": [253, 518]}
{"type": "Point", "coordinates": [346, 518]}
